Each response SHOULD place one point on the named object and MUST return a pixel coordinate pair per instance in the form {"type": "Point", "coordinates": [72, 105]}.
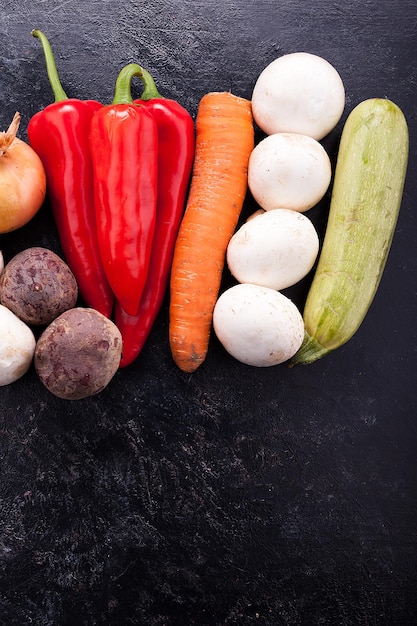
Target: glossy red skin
{"type": "Point", "coordinates": [59, 135]}
{"type": "Point", "coordinates": [124, 152]}
{"type": "Point", "coordinates": [176, 144]}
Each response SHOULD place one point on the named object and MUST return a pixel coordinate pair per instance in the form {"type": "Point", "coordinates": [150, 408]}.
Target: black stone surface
{"type": "Point", "coordinates": [234, 495]}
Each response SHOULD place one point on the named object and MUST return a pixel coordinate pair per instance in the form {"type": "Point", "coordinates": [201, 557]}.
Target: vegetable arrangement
{"type": "Point", "coordinates": [118, 224]}
{"type": "Point", "coordinates": [289, 172]}
{"type": "Point", "coordinates": [298, 99]}
{"type": "Point", "coordinates": [144, 200]}
{"type": "Point", "coordinates": [76, 351]}
{"type": "Point", "coordinates": [113, 172]}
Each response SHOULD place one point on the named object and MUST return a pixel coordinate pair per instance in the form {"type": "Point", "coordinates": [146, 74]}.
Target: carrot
{"type": "Point", "coordinates": [224, 142]}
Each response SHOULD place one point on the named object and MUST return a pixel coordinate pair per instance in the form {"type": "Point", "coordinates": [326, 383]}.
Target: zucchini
{"type": "Point", "coordinates": [365, 202]}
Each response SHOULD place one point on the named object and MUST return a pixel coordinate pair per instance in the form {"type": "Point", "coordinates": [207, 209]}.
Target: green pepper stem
{"type": "Point", "coordinates": [150, 91]}
{"type": "Point", "coordinates": [122, 91]}
{"type": "Point", "coordinates": [57, 89]}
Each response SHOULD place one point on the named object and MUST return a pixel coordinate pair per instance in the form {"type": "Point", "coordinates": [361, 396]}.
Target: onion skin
{"type": "Point", "coordinates": [22, 180]}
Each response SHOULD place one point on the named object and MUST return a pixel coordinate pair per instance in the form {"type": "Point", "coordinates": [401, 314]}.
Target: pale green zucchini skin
{"type": "Point", "coordinates": [365, 202]}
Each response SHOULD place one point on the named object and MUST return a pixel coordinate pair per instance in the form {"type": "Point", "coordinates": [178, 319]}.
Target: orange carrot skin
{"type": "Point", "coordinates": [224, 142]}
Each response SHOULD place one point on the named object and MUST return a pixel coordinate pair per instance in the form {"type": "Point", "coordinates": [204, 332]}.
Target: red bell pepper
{"type": "Point", "coordinates": [124, 151]}
{"type": "Point", "coordinates": [59, 134]}
{"type": "Point", "coordinates": [176, 143]}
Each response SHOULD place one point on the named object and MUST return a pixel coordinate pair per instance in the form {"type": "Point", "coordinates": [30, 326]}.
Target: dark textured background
{"type": "Point", "coordinates": [235, 495]}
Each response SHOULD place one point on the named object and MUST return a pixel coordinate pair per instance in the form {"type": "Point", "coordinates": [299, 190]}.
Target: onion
{"type": "Point", "coordinates": [17, 347]}
{"type": "Point", "coordinates": [22, 180]}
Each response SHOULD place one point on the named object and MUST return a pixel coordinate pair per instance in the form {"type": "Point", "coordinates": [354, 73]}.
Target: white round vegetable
{"type": "Point", "coordinates": [298, 93]}
{"type": "Point", "coordinates": [257, 325]}
{"type": "Point", "coordinates": [275, 249]}
{"type": "Point", "coordinates": [17, 347]}
{"type": "Point", "coordinates": [289, 171]}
